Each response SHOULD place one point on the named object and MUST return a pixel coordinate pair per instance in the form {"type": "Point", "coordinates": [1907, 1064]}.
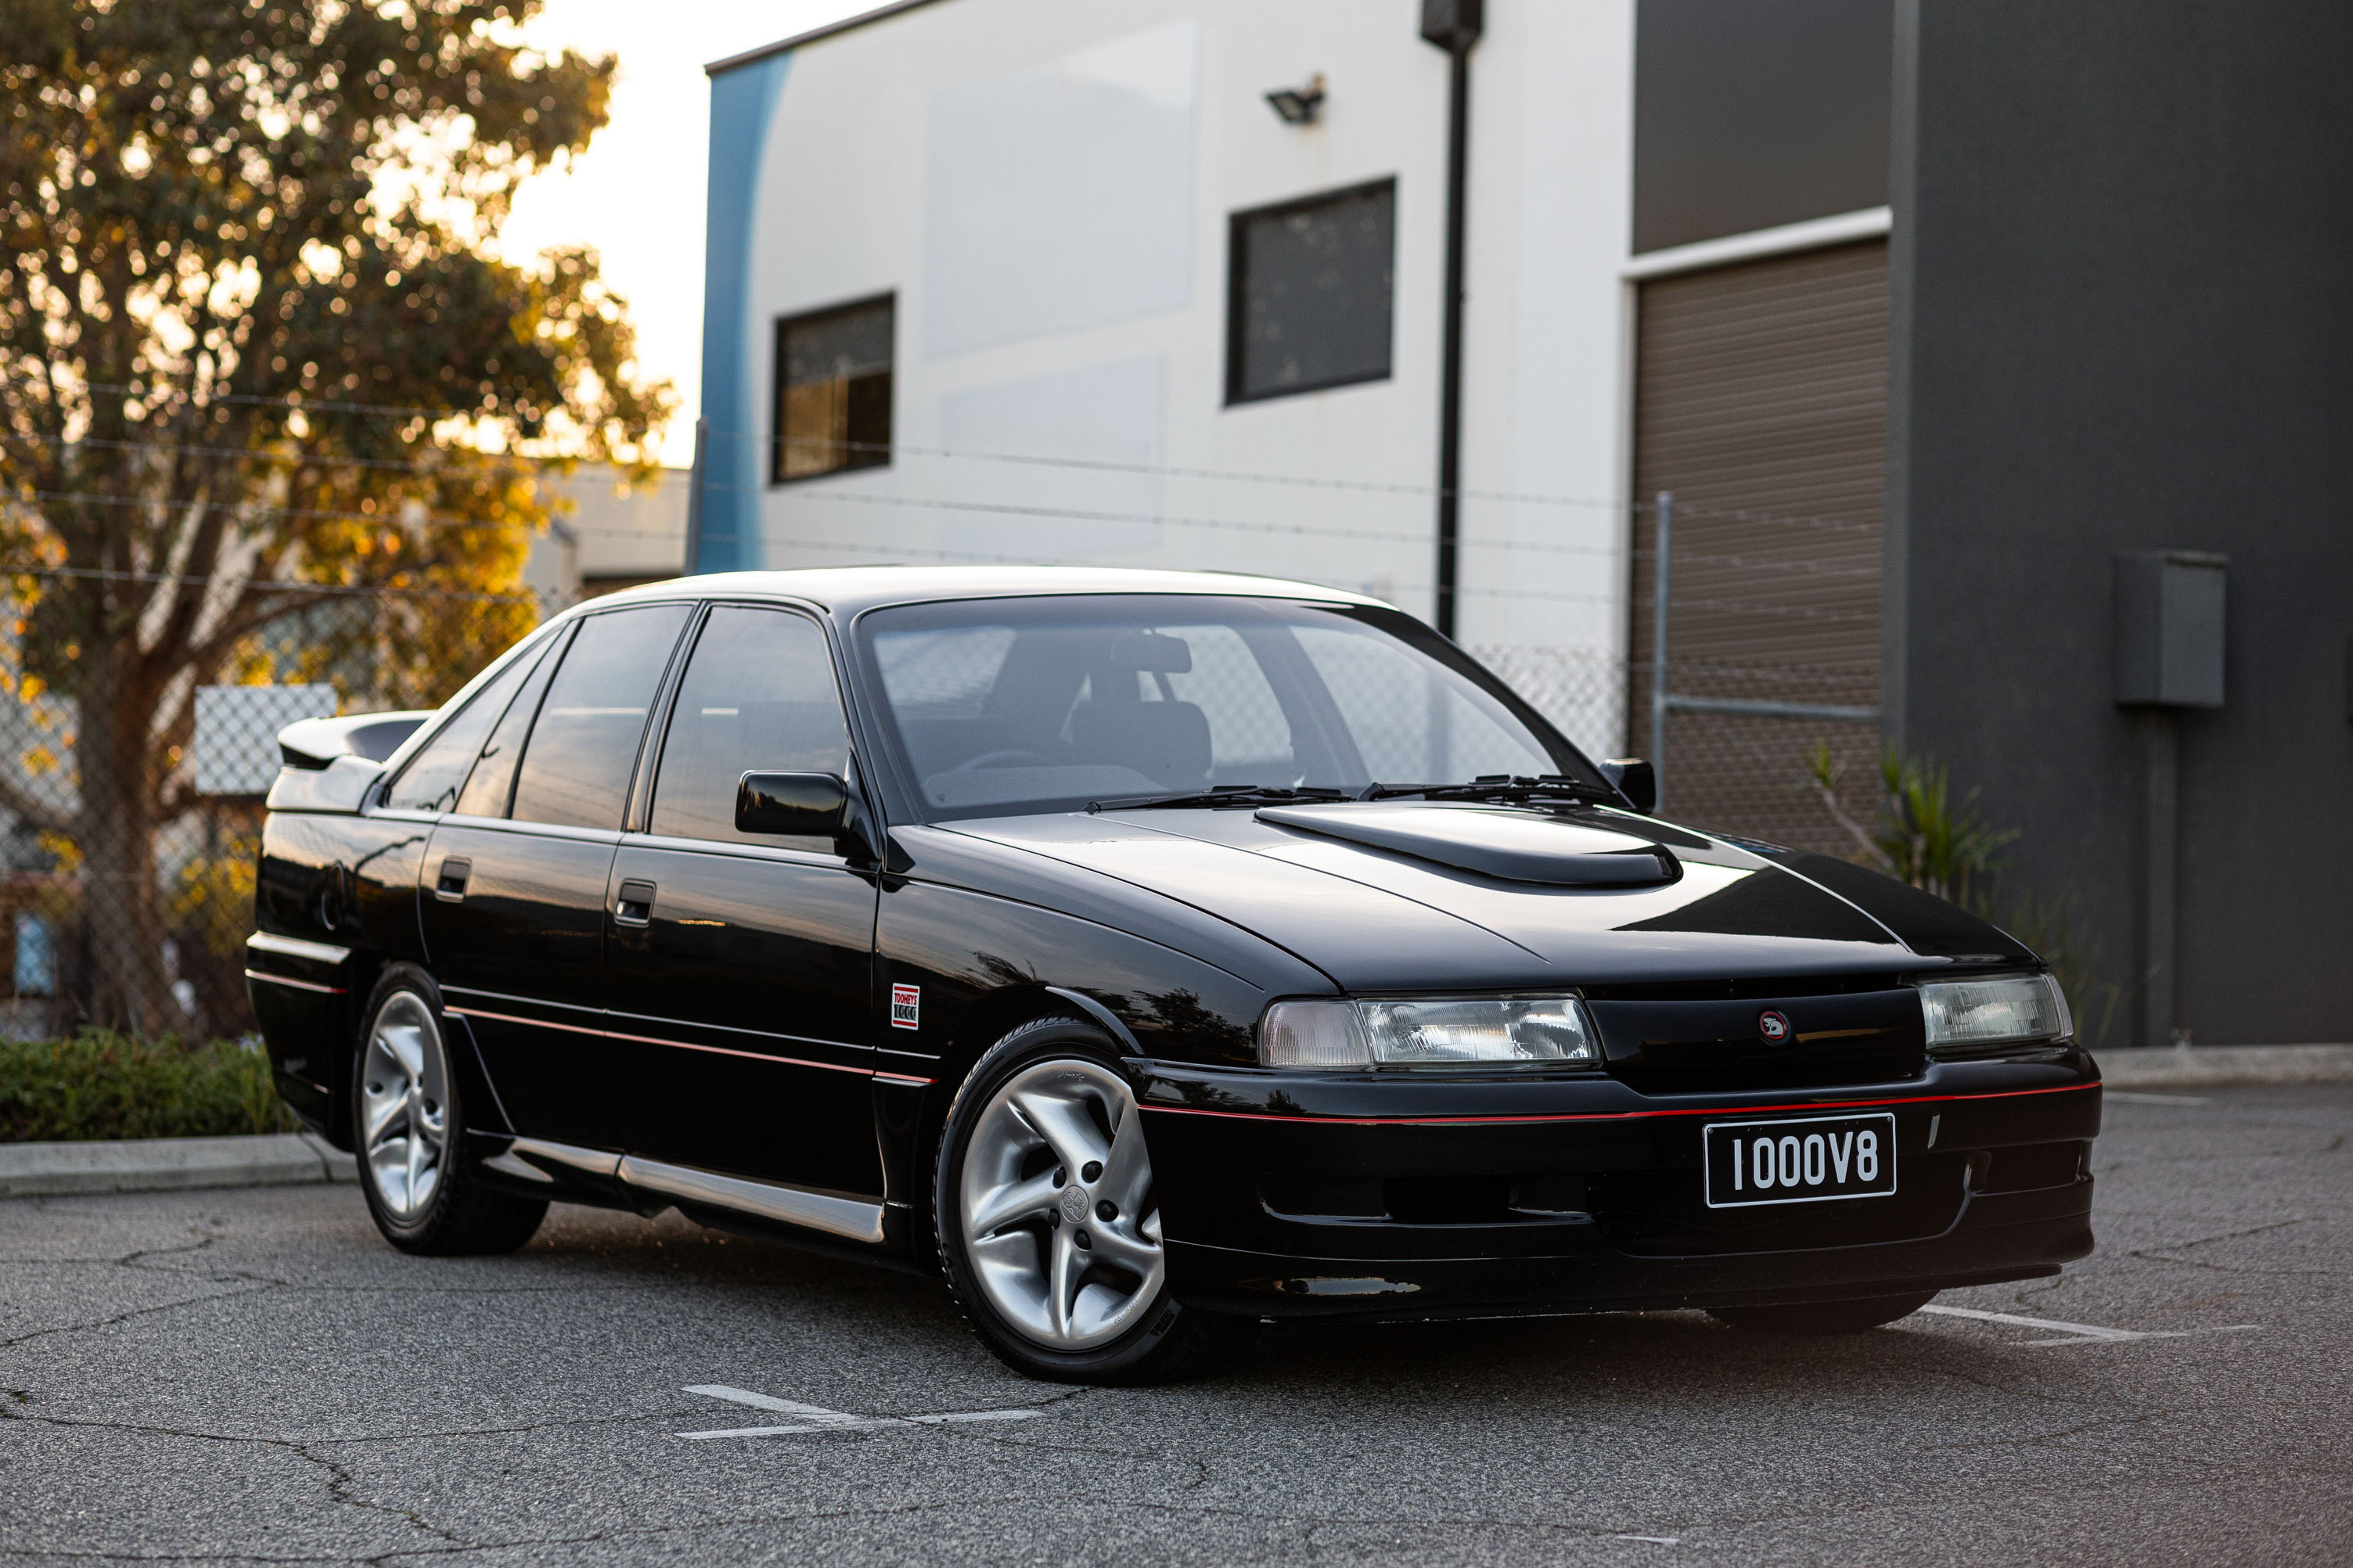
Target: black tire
{"type": "Point", "coordinates": [457, 1213]}
{"type": "Point", "coordinates": [1168, 1340]}
{"type": "Point", "coordinates": [1823, 1317]}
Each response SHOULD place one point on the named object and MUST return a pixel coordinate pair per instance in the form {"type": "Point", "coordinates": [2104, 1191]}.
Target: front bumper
{"type": "Point", "coordinates": [1290, 1196]}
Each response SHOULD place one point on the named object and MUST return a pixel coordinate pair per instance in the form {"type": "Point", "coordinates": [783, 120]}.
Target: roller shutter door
{"type": "Point", "coordinates": [1761, 403]}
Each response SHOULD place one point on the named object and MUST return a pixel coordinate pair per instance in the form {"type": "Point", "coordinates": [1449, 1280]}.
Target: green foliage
{"type": "Point", "coordinates": [104, 1085]}
{"type": "Point", "coordinates": [259, 349]}
{"type": "Point", "coordinates": [1918, 834]}
{"type": "Point", "coordinates": [2053, 929]}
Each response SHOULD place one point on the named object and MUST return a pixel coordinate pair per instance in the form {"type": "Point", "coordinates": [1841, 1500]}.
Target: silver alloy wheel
{"type": "Point", "coordinates": [1058, 1210]}
{"type": "Point", "coordinates": [405, 1106]}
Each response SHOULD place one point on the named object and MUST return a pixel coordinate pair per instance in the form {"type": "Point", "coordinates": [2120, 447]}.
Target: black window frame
{"type": "Point", "coordinates": [861, 461]}
{"type": "Point", "coordinates": [646, 787]}
{"type": "Point", "coordinates": [1237, 290]}
{"type": "Point", "coordinates": [638, 773]}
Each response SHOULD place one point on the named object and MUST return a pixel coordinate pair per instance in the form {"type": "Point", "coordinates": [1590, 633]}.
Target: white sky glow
{"type": "Point", "coordinates": [637, 194]}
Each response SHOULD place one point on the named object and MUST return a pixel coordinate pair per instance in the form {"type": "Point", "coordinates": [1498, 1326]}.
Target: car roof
{"type": "Point", "coordinates": [847, 590]}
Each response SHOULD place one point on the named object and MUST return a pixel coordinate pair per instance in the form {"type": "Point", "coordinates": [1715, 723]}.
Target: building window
{"type": "Point", "coordinates": [833, 391]}
{"type": "Point", "coordinates": [1309, 293]}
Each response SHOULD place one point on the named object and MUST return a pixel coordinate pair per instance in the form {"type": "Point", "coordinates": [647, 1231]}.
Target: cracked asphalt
{"type": "Point", "coordinates": [253, 1377]}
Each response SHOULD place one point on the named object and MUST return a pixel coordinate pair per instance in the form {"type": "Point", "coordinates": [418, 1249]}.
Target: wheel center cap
{"type": "Point", "coordinates": [1075, 1203]}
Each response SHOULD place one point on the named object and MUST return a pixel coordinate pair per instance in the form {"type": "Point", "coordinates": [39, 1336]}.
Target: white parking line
{"type": "Point", "coordinates": [817, 1418]}
{"type": "Point", "coordinates": [2082, 1333]}
{"type": "Point", "coordinates": [2133, 1097]}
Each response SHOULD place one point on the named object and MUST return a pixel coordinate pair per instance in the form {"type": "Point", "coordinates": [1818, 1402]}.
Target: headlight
{"type": "Point", "coordinates": [1994, 1012]}
{"type": "Point", "coordinates": [1438, 1031]}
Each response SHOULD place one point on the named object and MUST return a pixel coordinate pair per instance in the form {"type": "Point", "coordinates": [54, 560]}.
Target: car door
{"type": "Point", "coordinates": [512, 896]}
{"type": "Point", "coordinates": [738, 964]}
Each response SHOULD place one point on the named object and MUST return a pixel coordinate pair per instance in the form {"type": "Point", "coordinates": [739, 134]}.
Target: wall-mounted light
{"type": "Point", "coordinates": [1298, 105]}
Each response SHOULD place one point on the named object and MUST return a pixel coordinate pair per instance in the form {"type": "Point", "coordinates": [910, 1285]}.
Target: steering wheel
{"type": "Point", "coordinates": [1004, 760]}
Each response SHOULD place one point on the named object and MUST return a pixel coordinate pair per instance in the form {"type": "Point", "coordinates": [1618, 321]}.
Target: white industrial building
{"type": "Point", "coordinates": [1107, 281]}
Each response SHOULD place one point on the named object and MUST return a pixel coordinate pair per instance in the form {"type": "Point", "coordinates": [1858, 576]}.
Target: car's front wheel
{"type": "Point", "coordinates": [1048, 1221]}
{"type": "Point", "coordinates": [409, 1130]}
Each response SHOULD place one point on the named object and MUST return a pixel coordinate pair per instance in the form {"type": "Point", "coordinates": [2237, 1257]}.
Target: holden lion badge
{"type": "Point", "coordinates": [1773, 1027]}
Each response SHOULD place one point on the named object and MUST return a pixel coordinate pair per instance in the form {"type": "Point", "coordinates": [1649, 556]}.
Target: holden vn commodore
{"type": "Point", "coordinates": [1149, 954]}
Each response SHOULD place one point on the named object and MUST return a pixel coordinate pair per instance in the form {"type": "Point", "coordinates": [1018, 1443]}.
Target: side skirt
{"type": "Point", "coordinates": [562, 1169]}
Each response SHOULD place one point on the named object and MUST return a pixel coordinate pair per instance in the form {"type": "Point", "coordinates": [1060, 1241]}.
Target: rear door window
{"type": "Point", "coordinates": [759, 695]}
{"type": "Point", "coordinates": [492, 785]}
{"type": "Point", "coordinates": [432, 780]}
{"type": "Point", "coordinates": [583, 747]}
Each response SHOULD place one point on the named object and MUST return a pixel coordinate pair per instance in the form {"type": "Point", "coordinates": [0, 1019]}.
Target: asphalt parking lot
{"type": "Point", "coordinates": [252, 1376]}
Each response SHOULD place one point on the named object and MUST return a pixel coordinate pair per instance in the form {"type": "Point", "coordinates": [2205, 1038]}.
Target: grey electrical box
{"type": "Point", "coordinates": [2168, 621]}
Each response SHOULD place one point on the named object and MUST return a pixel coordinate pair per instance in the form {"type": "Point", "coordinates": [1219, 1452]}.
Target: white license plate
{"type": "Point", "coordinates": [1806, 1160]}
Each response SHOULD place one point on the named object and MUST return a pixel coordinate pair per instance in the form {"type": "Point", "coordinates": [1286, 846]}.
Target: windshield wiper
{"type": "Point", "coordinates": [1224, 794]}
{"type": "Point", "coordinates": [1497, 786]}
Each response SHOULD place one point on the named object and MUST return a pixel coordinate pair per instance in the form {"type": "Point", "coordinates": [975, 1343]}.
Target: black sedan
{"type": "Point", "coordinates": [1150, 953]}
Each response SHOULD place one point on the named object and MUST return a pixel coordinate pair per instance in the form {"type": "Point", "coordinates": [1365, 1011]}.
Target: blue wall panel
{"type": "Point", "coordinates": [742, 102]}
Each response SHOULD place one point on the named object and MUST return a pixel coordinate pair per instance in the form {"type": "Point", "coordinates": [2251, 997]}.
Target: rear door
{"type": "Point", "coordinates": [513, 882]}
{"type": "Point", "coordinates": [737, 965]}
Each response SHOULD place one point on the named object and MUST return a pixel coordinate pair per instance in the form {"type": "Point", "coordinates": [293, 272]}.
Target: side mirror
{"type": "Point", "coordinates": [1633, 778]}
{"type": "Point", "coordinates": [808, 805]}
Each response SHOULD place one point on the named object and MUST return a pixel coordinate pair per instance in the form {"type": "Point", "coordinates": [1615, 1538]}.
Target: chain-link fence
{"type": "Point", "coordinates": [126, 890]}
{"type": "Point", "coordinates": [1734, 769]}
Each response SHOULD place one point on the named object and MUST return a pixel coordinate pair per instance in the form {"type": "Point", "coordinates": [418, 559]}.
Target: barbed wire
{"type": "Point", "coordinates": [1066, 514]}
{"type": "Point", "coordinates": [504, 463]}
{"type": "Point", "coordinates": [297, 405]}
{"type": "Point", "coordinates": [1684, 509]}
{"type": "Point", "coordinates": [1071, 514]}
{"type": "Point", "coordinates": [331, 515]}
{"type": "Point", "coordinates": [269, 585]}
{"type": "Point", "coordinates": [881, 554]}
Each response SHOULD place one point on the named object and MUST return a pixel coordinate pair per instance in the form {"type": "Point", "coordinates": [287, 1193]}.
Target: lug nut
{"type": "Point", "coordinates": [1061, 1177]}
{"type": "Point", "coordinates": [1086, 1242]}
{"type": "Point", "coordinates": [1093, 1169]}
{"type": "Point", "coordinates": [1053, 1219]}
{"type": "Point", "coordinates": [1106, 1210]}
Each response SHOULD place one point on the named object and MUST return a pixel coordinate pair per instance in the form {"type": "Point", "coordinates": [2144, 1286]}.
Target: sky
{"type": "Point", "coordinates": [637, 194]}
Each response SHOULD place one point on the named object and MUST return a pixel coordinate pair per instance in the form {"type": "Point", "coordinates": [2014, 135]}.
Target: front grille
{"type": "Point", "coordinates": [1712, 1038]}
{"type": "Point", "coordinates": [1664, 1213]}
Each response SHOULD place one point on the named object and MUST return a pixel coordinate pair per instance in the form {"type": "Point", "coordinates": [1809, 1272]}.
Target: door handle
{"type": "Point", "coordinates": [634, 906]}
{"type": "Point", "coordinates": [450, 887]}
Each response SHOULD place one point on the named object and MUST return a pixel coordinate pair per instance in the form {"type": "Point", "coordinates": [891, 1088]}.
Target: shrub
{"type": "Point", "coordinates": [100, 1084]}
{"type": "Point", "coordinates": [1921, 835]}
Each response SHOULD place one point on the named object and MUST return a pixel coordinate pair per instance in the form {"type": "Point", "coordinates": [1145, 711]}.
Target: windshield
{"type": "Point", "coordinates": [1000, 706]}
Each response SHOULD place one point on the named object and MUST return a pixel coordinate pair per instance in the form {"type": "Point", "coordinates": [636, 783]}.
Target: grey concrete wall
{"type": "Point", "coordinates": [2124, 319]}
{"type": "Point", "coordinates": [1753, 113]}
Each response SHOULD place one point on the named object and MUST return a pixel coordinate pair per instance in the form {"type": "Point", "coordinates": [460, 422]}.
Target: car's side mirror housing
{"type": "Point", "coordinates": [806, 806]}
{"type": "Point", "coordinates": [1633, 778]}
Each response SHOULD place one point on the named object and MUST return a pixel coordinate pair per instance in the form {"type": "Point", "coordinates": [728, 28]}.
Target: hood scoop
{"type": "Point", "coordinates": [1513, 845]}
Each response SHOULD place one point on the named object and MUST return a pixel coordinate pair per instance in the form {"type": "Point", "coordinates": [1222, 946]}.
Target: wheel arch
{"type": "Point", "coordinates": [989, 1020]}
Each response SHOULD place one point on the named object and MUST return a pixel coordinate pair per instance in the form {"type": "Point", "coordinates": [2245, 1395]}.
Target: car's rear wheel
{"type": "Point", "coordinates": [1048, 1220]}
{"type": "Point", "coordinates": [409, 1132]}
{"type": "Point", "coordinates": [1824, 1316]}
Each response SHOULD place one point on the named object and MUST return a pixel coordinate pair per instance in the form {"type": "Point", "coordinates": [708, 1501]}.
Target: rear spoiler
{"type": "Point", "coordinates": [314, 743]}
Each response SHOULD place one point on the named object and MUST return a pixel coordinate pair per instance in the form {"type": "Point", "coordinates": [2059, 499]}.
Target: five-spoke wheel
{"type": "Point", "coordinates": [1048, 1224]}
{"type": "Point", "coordinates": [408, 1128]}
{"type": "Point", "coordinates": [405, 1105]}
{"type": "Point", "coordinates": [1057, 1206]}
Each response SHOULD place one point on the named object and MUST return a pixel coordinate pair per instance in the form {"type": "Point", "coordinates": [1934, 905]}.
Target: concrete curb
{"type": "Point", "coordinates": [170, 1164]}
{"type": "Point", "coordinates": [2212, 1066]}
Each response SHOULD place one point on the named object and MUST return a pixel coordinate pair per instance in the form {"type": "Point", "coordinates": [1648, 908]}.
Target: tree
{"type": "Point", "coordinates": [258, 353]}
